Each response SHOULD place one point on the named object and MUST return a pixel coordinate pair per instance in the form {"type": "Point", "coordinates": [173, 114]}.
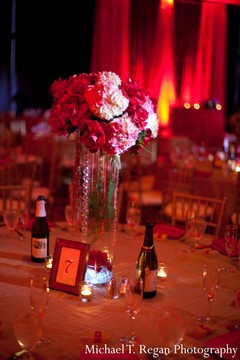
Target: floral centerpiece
{"type": "Point", "coordinates": [109, 117]}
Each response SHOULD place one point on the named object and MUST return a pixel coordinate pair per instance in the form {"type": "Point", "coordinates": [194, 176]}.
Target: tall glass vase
{"type": "Point", "coordinates": [95, 195]}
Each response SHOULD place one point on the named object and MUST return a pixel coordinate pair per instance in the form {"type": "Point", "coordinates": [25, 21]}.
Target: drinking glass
{"type": "Point", "coordinates": [188, 217]}
{"type": "Point", "coordinates": [197, 229]}
{"type": "Point", "coordinates": [231, 241]}
{"type": "Point", "coordinates": [171, 327]}
{"type": "Point", "coordinates": [24, 217]}
{"type": "Point", "coordinates": [39, 295]}
{"type": "Point", "coordinates": [132, 301]}
{"type": "Point", "coordinates": [133, 215]}
{"type": "Point", "coordinates": [11, 218]}
{"type": "Point", "coordinates": [27, 328]}
{"type": "Point", "coordinates": [211, 282]}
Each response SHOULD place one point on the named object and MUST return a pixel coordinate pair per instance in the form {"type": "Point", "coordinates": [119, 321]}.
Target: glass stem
{"type": "Point", "coordinates": [132, 335]}
{"type": "Point", "coordinates": [209, 308]}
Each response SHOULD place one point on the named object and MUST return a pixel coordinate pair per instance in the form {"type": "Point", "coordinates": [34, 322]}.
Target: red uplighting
{"type": "Point", "coordinates": [165, 72]}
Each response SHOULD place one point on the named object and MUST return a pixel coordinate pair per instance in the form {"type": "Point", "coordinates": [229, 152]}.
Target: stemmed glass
{"type": "Point", "coordinates": [132, 300]}
{"type": "Point", "coordinates": [133, 215]}
{"type": "Point", "coordinates": [27, 328]}
{"type": "Point", "coordinates": [24, 217]}
{"type": "Point", "coordinates": [11, 218]}
{"type": "Point", "coordinates": [231, 240]}
{"type": "Point", "coordinates": [211, 282]}
{"type": "Point", "coordinates": [171, 327]}
{"type": "Point", "coordinates": [39, 294]}
{"type": "Point", "coordinates": [197, 229]}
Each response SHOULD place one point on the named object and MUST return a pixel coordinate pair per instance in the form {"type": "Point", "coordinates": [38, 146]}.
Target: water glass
{"type": "Point", "coordinates": [171, 328]}
{"type": "Point", "coordinates": [133, 214]}
{"type": "Point", "coordinates": [197, 229]}
{"type": "Point", "coordinates": [11, 218]}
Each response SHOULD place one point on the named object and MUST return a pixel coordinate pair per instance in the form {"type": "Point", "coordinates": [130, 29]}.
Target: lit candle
{"type": "Point", "coordinates": [85, 291]}
{"type": "Point", "coordinates": [162, 272]}
{"type": "Point", "coordinates": [49, 262]}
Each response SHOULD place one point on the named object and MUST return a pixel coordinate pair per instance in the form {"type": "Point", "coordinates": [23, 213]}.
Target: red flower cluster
{"type": "Point", "coordinates": [98, 259]}
{"type": "Point", "coordinates": [111, 116]}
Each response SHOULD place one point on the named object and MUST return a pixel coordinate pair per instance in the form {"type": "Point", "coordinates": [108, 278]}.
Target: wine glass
{"type": "Point", "coordinates": [11, 218]}
{"type": "Point", "coordinates": [132, 296]}
{"type": "Point", "coordinates": [27, 328]}
{"type": "Point", "coordinates": [133, 215]}
{"type": "Point", "coordinates": [231, 240]}
{"type": "Point", "coordinates": [211, 282]}
{"type": "Point", "coordinates": [39, 295]}
{"type": "Point", "coordinates": [197, 228]}
{"type": "Point", "coordinates": [171, 327]}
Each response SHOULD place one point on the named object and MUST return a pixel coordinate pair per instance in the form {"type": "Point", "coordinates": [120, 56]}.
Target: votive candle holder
{"type": "Point", "coordinates": [85, 291]}
{"type": "Point", "coordinates": [162, 272]}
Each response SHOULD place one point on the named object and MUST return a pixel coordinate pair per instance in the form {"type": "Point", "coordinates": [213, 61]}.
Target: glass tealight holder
{"type": "Point", "coordinates": [48, 263]}
{"type": "Point", "coordinates": [85, 291]}
{"type": "Point", "coordinates": [162, 272]}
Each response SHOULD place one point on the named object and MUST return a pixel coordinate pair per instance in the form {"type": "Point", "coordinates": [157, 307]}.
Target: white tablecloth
{"type": "Point", "coordinates": [68, 321]}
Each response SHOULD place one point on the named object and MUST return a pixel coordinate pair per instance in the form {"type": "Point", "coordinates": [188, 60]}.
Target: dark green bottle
{"type": "Point", "coordinates": [40, 233]}
{"type": "Point", "coordinates": [147, 264]}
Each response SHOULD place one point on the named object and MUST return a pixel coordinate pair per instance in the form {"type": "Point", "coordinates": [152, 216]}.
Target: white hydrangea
{"type": "Point", "coordinates": [109, 78]}
{"type": "Point", "coordinates": [152, 124]}
{"type": "Point", "coordinates": [114, 103]}
{"type": "Point", "coordinates": [105, 98]}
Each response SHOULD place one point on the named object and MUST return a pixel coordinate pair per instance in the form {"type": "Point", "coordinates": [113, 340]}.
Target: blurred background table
{"type": "Point", "coordinates": [203, 126]}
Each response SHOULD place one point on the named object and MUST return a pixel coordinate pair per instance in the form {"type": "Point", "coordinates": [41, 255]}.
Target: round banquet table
{"type": "Point", "coordinates": [70, 323]}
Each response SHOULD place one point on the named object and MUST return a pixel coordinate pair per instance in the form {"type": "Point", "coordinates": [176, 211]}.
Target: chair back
{"type": "Point", "coordinates": [13, 197]}
{"type": "Point", "coordinates": [209, 208]}
{"type": "Point", "coordinates": [176, 179]}
{"type": "Point", "coordinates": [137, 180]}
{"type": "Point", "coordinates": [22, 172]}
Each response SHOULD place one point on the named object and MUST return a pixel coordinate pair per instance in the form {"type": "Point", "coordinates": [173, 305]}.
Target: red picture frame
{"type": "Point", "coordinates": [69, 265]}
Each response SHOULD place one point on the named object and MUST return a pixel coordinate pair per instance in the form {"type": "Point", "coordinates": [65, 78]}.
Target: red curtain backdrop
{"type": "Point", "coordinates": [111, 49]}
{"type": "Point", "coordinates": [162, 75]}
{"type": "Point", "coordinates": [175, 52]}
{"type": "Point", "coordinates": [143, 32]}
{"type": "Point", "coordinates": [210, 65]}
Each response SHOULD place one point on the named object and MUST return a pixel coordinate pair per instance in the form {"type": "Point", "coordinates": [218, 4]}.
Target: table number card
{"type": "Point", "coordinates": [69, 265]}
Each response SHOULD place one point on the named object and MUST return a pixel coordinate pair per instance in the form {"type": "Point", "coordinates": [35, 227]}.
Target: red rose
{"type": "Point", "coordinates": [93, 136]}
{"type": "Point", "coordinates": [57, 121]}
{"type": "Point", "coordinates": [58, 88]}
{"type": "Point", "coordinates": [98, 259]}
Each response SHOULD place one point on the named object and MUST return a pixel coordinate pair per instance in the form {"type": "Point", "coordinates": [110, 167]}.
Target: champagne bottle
{"type": "Point", "coordinates": [147, 264]}
{"type": "Point", "coordinates": [40, 233]}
